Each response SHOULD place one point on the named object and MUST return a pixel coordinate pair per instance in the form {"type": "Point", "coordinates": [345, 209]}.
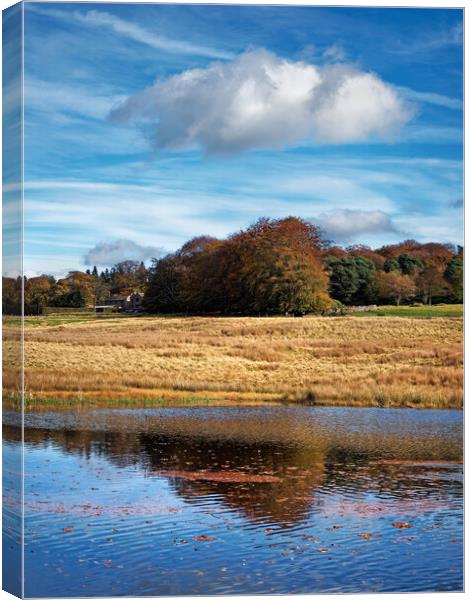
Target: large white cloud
{"type": "Point", "coordinates": [260, 100]}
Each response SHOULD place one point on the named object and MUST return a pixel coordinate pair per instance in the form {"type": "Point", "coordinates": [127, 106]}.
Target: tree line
{"type": "Point", "coordinates": [77, 290]}
{"type": "Point", "coordinates": [275, 266]}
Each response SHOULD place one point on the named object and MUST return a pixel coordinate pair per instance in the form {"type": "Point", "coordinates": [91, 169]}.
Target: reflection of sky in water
{"type": "Point", "coordinates": [122, 502]}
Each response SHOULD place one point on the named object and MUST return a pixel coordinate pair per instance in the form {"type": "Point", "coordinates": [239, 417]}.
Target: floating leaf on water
{"type": "Point", "coordinates": [306, 536]}
{"type": "Point", "coordinates": [401, 524]}
{"type": "Point", "coordinates": [322, 550]}
{"type": "Point", "coordinates": [222, 476]}
{"type": "Point", "coordinates": [204, 538]}
{"type": "Point", "coordinates": [366, 536]}
{"type": "Point", "coordinates": [67, 529]}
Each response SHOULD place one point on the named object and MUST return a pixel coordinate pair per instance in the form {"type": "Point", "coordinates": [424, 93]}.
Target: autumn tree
{"type": "Point", "coordinates": [278, 268]}
{"type": "Point", "coordinates": [360, 250]}
{"type": "Point", "coordinates": [272, 267]}
{"type": "Point", "coordinates": [431, 283]}
{"type": "Point", "coordinates": [201, 275]}
{"type": "Point", "coordinates": [395, 286]}
{"type": "Point", "coordinates": [76, 290]}
{"type": "Point", "coordinates": [394, 250]}
{"type": "Point", "coordinates": [101, 290]}
{"type": "Point", "coordinates": [124, 276]}
{"type": "Point", "coordinates": [11, 295]}
{"type": "Point", "coordinates": [333, 252]}
{"type": "Point", "coordinates": [38, 293]}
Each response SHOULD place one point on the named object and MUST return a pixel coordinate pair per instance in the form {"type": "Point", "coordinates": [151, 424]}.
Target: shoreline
{"type": "Point", "coordinates": [116, 400]}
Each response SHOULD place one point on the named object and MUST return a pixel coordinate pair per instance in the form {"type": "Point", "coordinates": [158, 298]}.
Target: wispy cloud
{"type": "Point", "coordinates": [340, 187]}
{"type": "Point", "coordinates": [260, 100]}
{"type": "Point", "coordinates": [432, 134]}
{"type": "Point", "coordinates": [82, 100]}
{"type": "Point", "coordinates": [104, 20]}
{"type": "Point", "coordinates": [431, 98]}
{"type": "Point", "coordinates": [334, 54]}
{"type": "Point", "coordinates": [430, 41]}
{"type": "Point", "coordinates": [446, 227]}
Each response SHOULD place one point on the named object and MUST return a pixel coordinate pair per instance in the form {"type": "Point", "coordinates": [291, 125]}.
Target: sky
{"type": "Point", "coordinates": [146, 125]}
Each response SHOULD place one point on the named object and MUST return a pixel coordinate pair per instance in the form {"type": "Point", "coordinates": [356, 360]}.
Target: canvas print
{"type": "Point", "coordinates": [232, 299]}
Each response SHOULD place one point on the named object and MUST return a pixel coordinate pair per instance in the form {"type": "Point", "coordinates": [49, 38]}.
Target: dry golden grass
{"type": "Point", "coordinates": [385, 361]}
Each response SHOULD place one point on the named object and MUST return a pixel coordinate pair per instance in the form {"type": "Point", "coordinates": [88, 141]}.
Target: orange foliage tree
{"type": "Point", "coordinates": [395, 286]}
{"type": "Point", "coordinates": [273, 267]}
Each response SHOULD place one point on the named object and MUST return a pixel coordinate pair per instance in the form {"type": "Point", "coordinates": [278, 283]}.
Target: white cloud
{"type": "Point", "coordinates": [345, 225]}
{"type": "Point", "coordinates": [110, 253]}
{"type": "Point", "coordinates": [260, 100]}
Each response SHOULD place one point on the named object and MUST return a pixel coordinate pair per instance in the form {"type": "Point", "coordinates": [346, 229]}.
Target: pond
{"type": "Point", "coordinates": [240, 500]}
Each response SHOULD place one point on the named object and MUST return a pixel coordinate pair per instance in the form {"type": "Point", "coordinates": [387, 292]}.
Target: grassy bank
{"type": "Point", "coordinates": [366, 361]}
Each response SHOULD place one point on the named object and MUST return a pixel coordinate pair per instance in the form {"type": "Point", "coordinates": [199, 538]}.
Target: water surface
{"type": "Point", "coordinates": [241, 500]}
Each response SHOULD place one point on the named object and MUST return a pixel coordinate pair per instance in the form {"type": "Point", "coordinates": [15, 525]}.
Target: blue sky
{"type": "Point", "coordinates": [146, 125]}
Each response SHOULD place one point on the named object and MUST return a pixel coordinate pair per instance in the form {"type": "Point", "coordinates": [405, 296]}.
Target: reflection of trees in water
{"type": "Point", "coordinates": [299, 469]}
{"type": "Point", "coordinates": [122, 449]}
{"type": "Point", "coordinates": [301, 463]}
{"type": "Point", "coordinates": [350, 469]}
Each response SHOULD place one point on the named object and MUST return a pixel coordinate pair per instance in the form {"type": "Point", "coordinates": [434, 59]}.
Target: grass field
{"type": "Point", "coordinates": [61, 319]}
{"type": "Point", "coordinates": [423, 312]}
{"type": "Point", "coordinates": [367, 361]}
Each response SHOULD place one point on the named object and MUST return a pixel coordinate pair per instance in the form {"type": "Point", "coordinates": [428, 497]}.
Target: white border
{"type": "Point", "coordinates": [327, 3]}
